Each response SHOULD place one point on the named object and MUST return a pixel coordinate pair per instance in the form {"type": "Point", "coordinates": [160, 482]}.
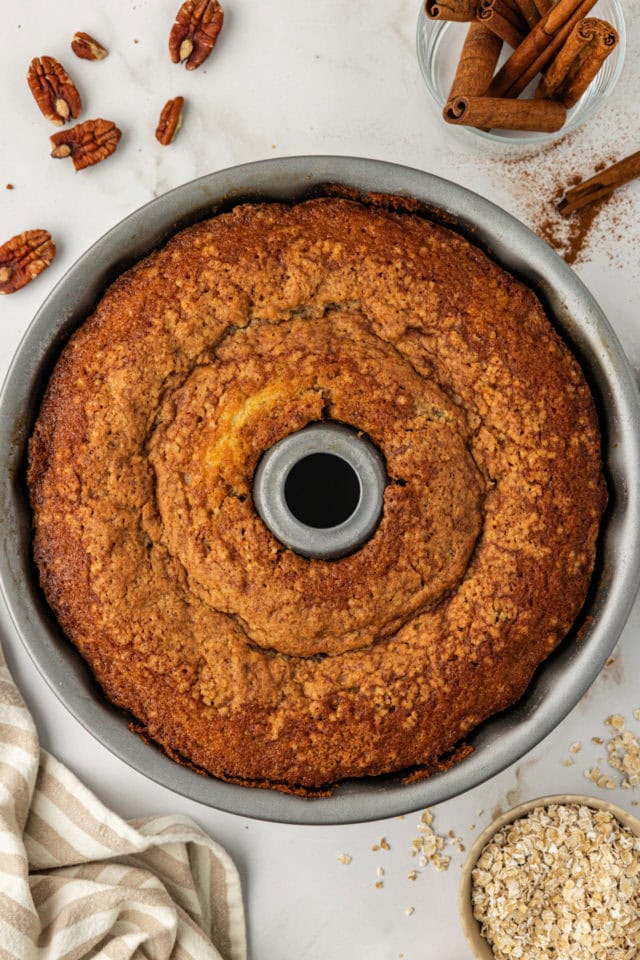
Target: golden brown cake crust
{"type": "Point", "coordinates": [234, 653]}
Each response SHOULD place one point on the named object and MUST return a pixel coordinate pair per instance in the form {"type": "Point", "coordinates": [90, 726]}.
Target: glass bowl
{"type": "Point", "coordinates": [439, 43]}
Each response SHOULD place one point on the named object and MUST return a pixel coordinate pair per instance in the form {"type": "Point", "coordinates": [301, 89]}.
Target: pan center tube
{"type": "Point", "coordinates": [320, 491]}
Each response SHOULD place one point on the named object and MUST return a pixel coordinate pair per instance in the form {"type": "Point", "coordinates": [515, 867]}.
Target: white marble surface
{"type": "Point", "coordinates": [299, 77]}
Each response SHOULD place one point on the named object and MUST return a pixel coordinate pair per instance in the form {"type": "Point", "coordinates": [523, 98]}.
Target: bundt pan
{"type": "Point", "coordinates": [559, 682]}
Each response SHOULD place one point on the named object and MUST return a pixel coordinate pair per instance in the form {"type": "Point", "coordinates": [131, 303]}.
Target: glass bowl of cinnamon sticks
{"type": "Point", "coordinates": [520, 71]}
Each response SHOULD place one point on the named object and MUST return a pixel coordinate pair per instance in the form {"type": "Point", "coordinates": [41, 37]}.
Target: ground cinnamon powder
{"type": "Point", "coordinates": [530, 182]}
{"type": "Point", "coordinates": [571, 241]}
{"type": "Point", "coordinates": [538, 180]}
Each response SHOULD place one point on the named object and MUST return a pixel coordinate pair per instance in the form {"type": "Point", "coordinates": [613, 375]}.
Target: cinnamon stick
{"type": "Point", "coordinates": [529, 11]}
{"type": "Point", "coordinates": [587, 47]}
{"type": "Point", "coordinates": [543, 6]}
{"type": "Point", "coordinates": [499, 17]}
{"type": "Point", "coordinates": [459, 10]}
{"type": "Point", "coordinates": [508, 10]}
{"type": "Point", "coordinates": [490, 112]}
{"type": "Point", "coordinates": [478, 59]}
{"type": "Point", "coordinates": [539, 47]}
{"type": "Point", "coordinates": [602, 185]}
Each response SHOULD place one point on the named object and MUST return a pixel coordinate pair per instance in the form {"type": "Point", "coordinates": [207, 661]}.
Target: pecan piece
{"type": "Point", "coordinates": [198, 23]}
{"type": "Point", "coordinates": [86, 143]}
{"type": "Point", "coordinates": [170, 121]}
{"type": "Point", "coordinates": [23, 257]}
{"type": "Point", "coordinates": [54, 90]}
{"type": "Point", "coordinates": [85, 47]}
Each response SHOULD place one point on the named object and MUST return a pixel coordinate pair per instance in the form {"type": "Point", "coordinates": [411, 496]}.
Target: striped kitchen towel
{"type": "Point", "coordinates": [78, 882]}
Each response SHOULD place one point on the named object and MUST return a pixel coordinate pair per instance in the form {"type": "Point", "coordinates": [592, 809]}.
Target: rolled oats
{"type": "Point", "coordinates": [428, 845]}
{"type": "Point", "coordinates": [616, 721]}
{"type": "Point", "coordinates": [563, 881]}
{"type": "Point", "coordinates": [623, 753]}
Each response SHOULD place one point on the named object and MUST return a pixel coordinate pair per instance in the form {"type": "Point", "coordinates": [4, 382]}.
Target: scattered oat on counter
{"type": "Point", "coordinates": [623, 751]}
{"type": "Point", "coordinates": [616, 721]}
{"type": "Point", "coordinates": [409, 911]}
{"type": "Point", "coordinates": [429, 845]}
{"type": "Point", "coordinates": [574, 748]}
{"type": "Point", "coordinates": [600, 779]}
{"type": "Point", "coordinates": [623, 755]}
{"type": "Point", "coordinates": [562, 881]}
{"type": "Point", "coordinates": [383, 844]}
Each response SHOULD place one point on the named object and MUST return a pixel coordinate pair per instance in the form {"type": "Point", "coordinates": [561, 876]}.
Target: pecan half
{"type": "Point", "coordinates": [198, 23]}
{"type": "Point", "coordinates": [23, 257]}
{"type": "Point", "coordinates": [54, 90]}
{"type": "Point", "coordinates": [85, 47]}
{"type": "Point", "coordinates": [170, 121]}
{"type": "Point", "coordinates": [86, 143]}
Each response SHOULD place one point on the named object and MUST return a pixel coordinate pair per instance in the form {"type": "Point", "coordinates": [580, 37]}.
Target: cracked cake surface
{"type": "Point", "coordinates": [233, 652]}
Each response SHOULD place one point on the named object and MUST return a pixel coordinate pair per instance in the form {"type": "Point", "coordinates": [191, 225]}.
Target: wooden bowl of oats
{"type": "Point", "coordinates": [555, 877]}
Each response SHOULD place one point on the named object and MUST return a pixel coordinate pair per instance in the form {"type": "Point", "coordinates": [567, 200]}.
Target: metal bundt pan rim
{"type": "Point", "coordinates": [557, 685]}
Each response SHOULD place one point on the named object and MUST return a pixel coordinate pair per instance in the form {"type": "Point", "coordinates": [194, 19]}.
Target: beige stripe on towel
{"type": "Point", "coordinates": [77, 881]}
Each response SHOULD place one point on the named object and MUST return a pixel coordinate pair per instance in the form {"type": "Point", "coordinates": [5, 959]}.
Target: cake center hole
{"type": "Point", "coordinates": [322, 490]}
